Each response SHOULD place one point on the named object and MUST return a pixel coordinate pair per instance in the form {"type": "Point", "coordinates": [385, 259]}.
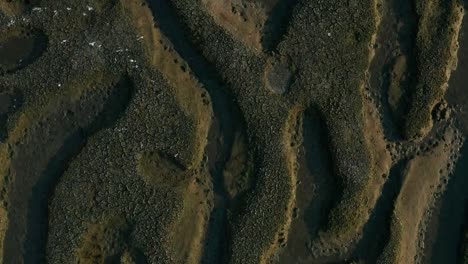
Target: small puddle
{"type": "Point", "coordinates": [20, 49]}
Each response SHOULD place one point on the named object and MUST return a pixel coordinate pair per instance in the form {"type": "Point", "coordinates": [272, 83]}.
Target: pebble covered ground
{"type": "Point", "coordinates": [237, 131]}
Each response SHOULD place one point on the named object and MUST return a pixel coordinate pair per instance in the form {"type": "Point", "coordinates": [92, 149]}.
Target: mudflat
{"type": "Point", "coordinates": [233, 131]}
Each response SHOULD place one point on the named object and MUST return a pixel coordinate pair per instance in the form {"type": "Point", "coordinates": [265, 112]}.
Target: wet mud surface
{"type": "Point", "coordinates": [239, 131]}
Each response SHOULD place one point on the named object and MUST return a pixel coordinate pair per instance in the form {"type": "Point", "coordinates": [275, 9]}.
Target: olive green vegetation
{"type": "Point", "coordinates": [66, 95]}
{"type": "Point", "coordinates": [28, 132]}
{"type": "Point", "coordinates": [435, 48]}
{"type": "Point", "coordinates": [331, 60]}
{"type": "Point", "coordinates": [143, 154]}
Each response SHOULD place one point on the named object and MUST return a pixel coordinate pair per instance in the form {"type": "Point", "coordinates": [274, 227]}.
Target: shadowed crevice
{"type": "Point", "coordinates": [452, 215]}
{"type": "Point", "coordinates": [228, 121]}
{"type": "Point", "coordinates": [277, 24]}
{"type": "Point", "coordinates": [10, 102]}
{"type": "Point", "coordinates": [318, 161]}
{"type": "Point", "coordinates": [394, 64]}
{"type": "Point", "coordinates": [21, 49]}
{"type": "Point", "coordinates": [376, 233]}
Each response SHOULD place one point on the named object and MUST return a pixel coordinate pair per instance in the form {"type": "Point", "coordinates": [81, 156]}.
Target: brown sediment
{"type": "Point", "coordinates": [159, 170]}
{"type": "Point", "coordinates": [13, 8]}
{"type": "Point", "coordinates": [188, 232]}
{"type": "Point", "coordinates": [232, 192]}
{"type": "Point", "coordinates": [5, 161]}
{"type": "Point", "coordinates": [380, 158]}
{"type": "Point", "coordinates": [377, 4]}
{"type": "Point", "coordinates": [424, 179]}
{"type": "Point", "coordinates": [193, 100]}
{"type": "Point", "coordinates": [244, 20]}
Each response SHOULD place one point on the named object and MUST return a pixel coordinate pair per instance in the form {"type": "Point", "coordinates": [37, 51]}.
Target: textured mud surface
{"type": "Point", "coordinates": [233, 131]}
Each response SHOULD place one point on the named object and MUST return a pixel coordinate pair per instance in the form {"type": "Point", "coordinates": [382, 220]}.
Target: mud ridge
{"type": "Point", "coordinates": [32, 188]}
{"type": "Point", "coordinates": [36, 237]}
{"type": "Point", "coordinates": [227, 122]}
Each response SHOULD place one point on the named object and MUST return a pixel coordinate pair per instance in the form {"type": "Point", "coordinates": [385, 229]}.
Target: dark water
{"type": "Point", "coordinates": [14, 49]}
{"type": "Point", "coordinates": [452, 219]}
{"type": "Point", "coordinates": [457, 93]}
{"type": "Point", "coordinates": [19, 51]}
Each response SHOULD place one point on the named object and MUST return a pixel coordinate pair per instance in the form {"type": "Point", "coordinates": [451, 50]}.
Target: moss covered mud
{"type": "Point", "coordinates": [242, 131]}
